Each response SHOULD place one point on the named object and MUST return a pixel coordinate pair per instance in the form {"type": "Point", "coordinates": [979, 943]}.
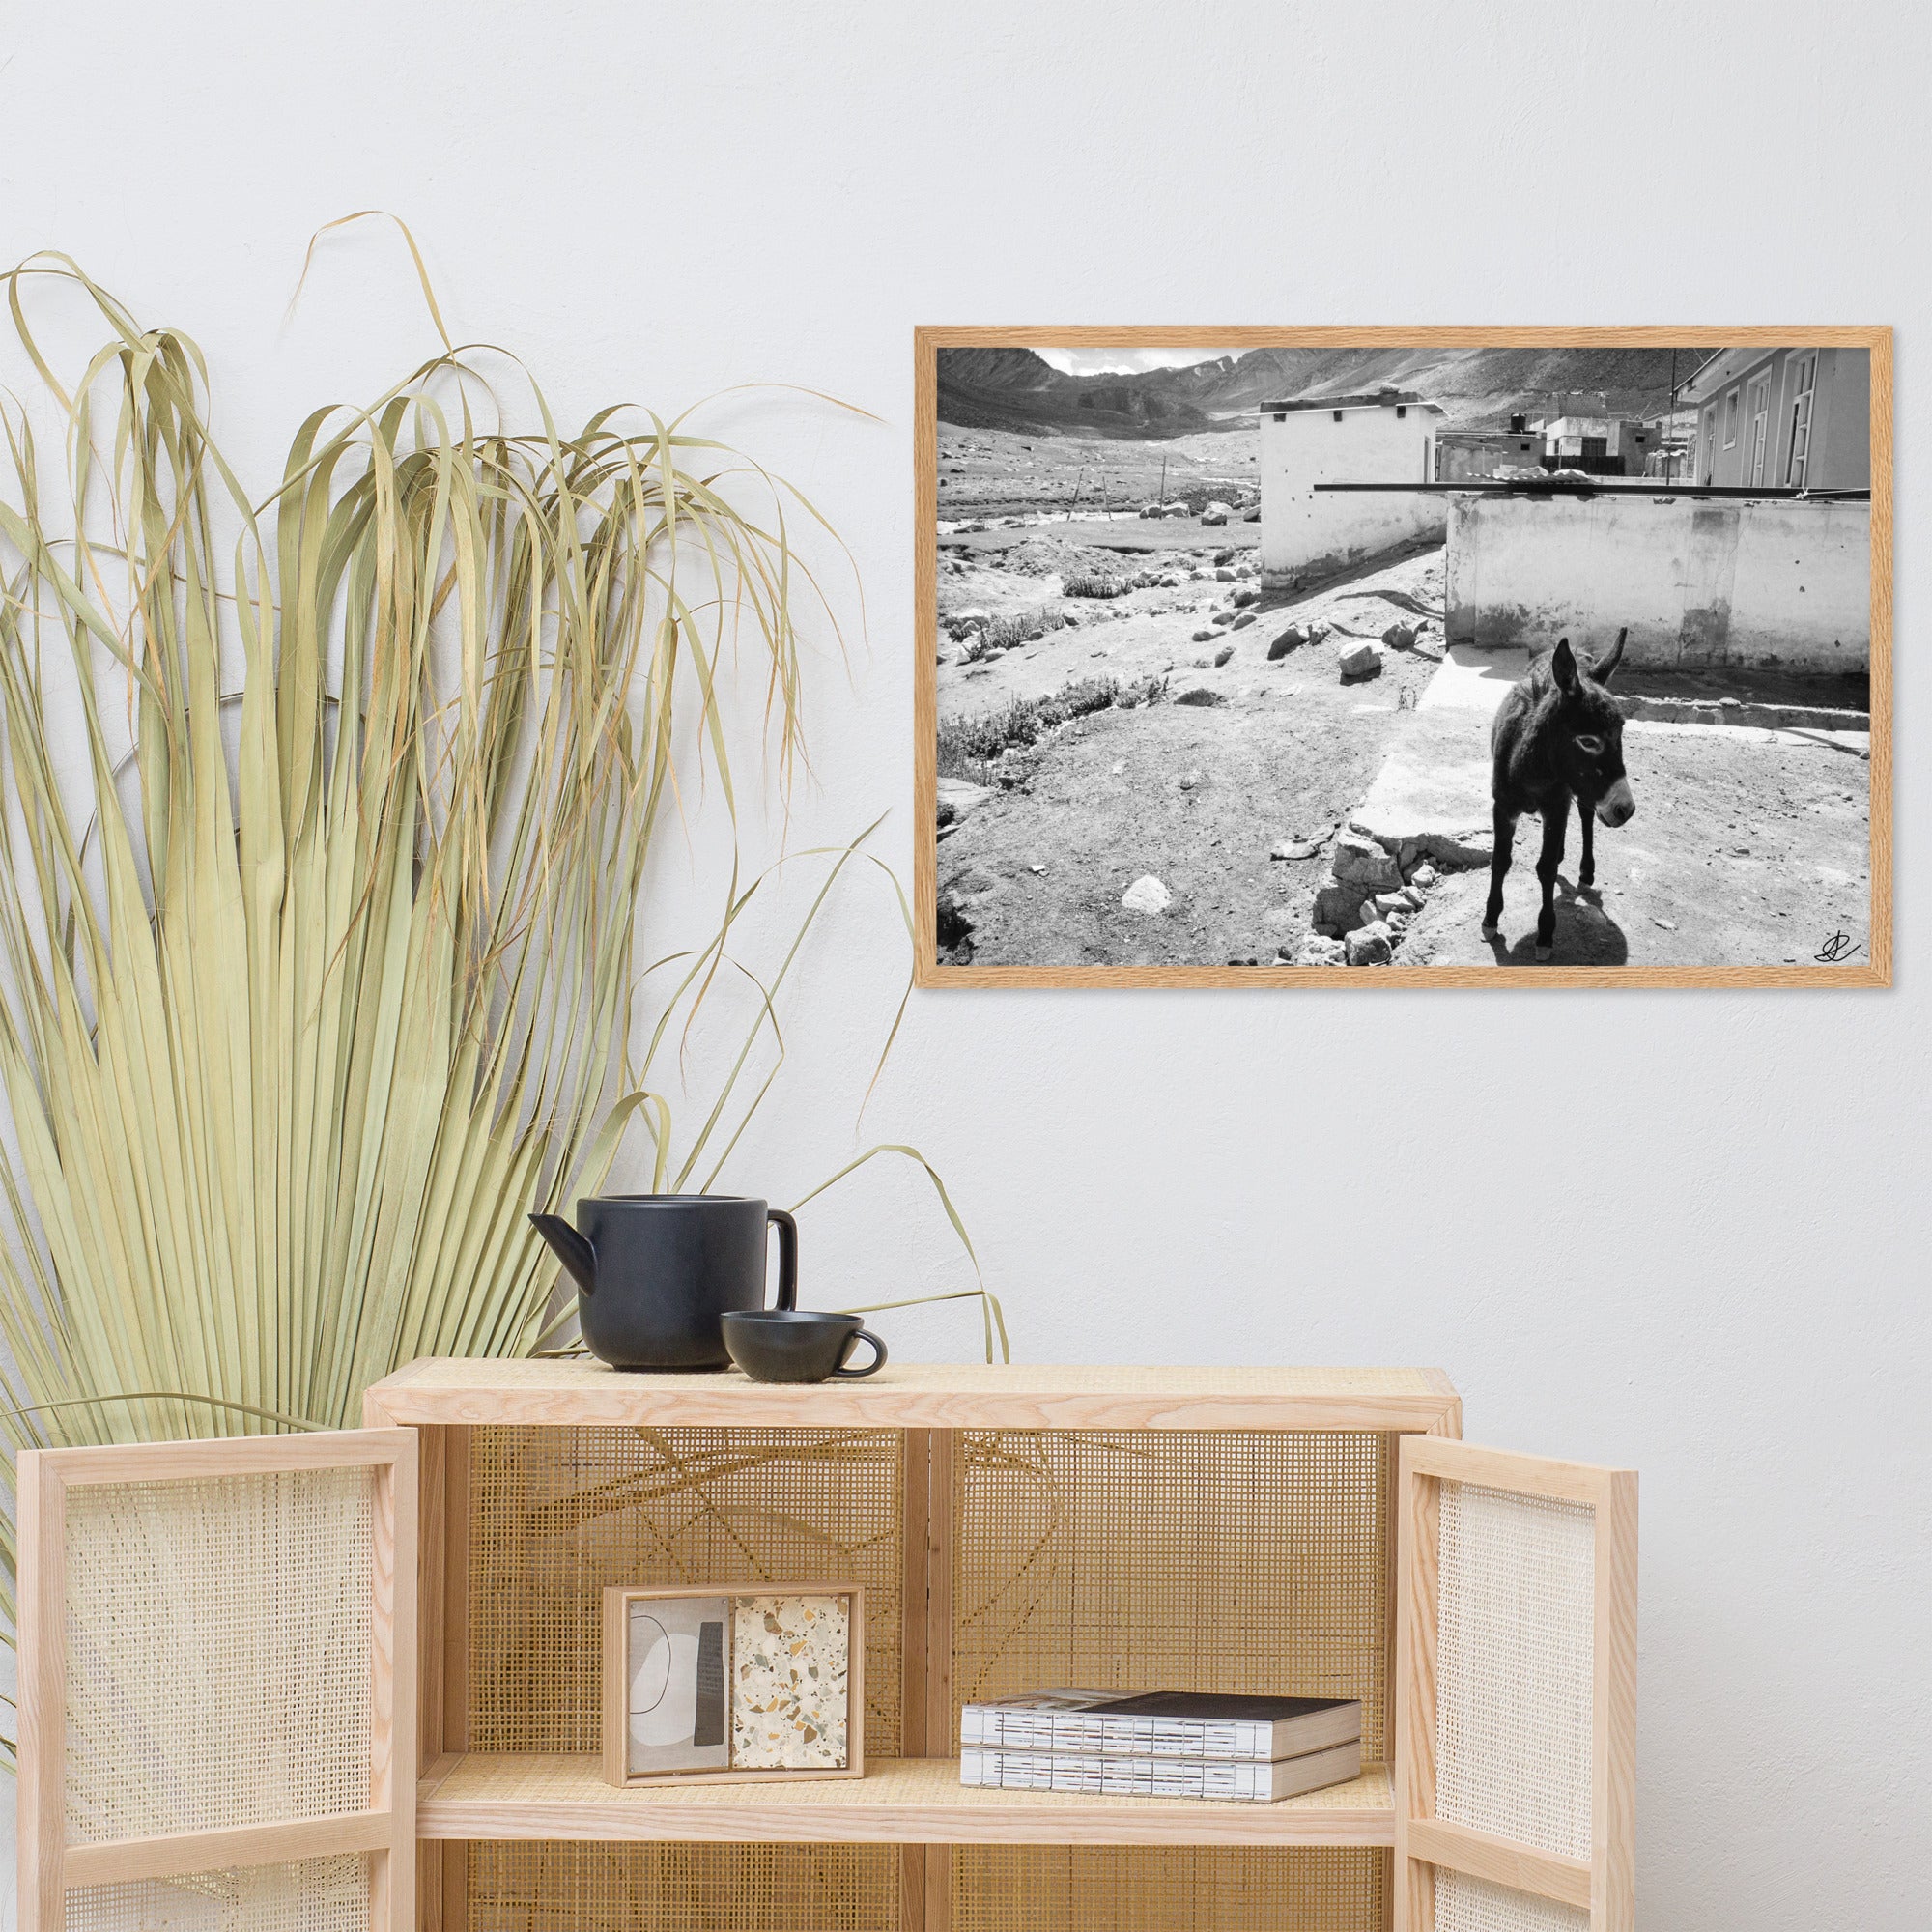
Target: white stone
{"type": "Point", "coordinates": [1147, 895]}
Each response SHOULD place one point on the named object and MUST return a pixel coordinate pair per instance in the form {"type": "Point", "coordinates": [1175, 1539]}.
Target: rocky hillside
{"type": "Point", "coordinates": [1015, 390]}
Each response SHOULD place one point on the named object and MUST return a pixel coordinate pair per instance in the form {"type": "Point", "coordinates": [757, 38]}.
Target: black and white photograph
{"type": "Point", "coordinates": [1407, 655]}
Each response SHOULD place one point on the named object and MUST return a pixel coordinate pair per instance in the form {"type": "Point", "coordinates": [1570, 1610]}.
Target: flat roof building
{"type": "Point", "coordinates": [1386, 436]}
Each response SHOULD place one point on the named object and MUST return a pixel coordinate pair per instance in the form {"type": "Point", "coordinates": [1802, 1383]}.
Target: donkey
{"type": "Point", "coordinates": [1559, 735]}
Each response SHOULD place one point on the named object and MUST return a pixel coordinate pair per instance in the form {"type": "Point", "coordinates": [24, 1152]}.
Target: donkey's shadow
{"type": "Point", "coordinates": [1586, 935]}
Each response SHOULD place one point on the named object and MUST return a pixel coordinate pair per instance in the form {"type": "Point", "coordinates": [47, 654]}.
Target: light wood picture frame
{"type": "Point", "coordinates": [1833, 956]}
{"type": "Point", "coordinates": [135, 1507]}
{"type": "Point", "coordinates": [614, 1707]}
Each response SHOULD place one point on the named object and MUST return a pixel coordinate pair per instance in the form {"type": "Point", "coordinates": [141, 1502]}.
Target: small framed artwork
{"type": "Point", "coordinates": [1387, 656]}
{"type": "Point", "coordinates": [701, 1682]}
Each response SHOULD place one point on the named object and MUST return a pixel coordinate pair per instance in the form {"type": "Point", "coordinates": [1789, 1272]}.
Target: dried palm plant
{"type": "Point", "coordinates": [319, 971]}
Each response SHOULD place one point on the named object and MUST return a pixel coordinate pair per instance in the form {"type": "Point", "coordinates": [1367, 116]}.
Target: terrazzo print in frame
{"type": "Point", "coordinates": [790, 1683]}
{"type": "Point", "coordinates": [703, 1683]}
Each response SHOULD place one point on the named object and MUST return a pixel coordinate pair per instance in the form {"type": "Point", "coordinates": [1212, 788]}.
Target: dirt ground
{"type": "Point", "coordinates": [1197, 798]}
{"type": "Point", "coordinates": [1749, 846]}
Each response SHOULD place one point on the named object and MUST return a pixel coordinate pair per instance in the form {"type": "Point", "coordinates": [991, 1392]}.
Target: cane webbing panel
{"type": "Point", "coordinates": [558, 1514]}
{"type": "Point", "coordinates": [313, 1895]}
{"type": "Point", "coordinates": [537, 1887]}
{"type": "Point", "coordinates": [1254, 1561]}
{"type": "Point", "coordinates": [1514, 1667]}
{"type": "Point", "coordinates": [1464, 1904]}
{"type": "Point", "coordinates": [218, 1652]}
{"type": "Point", "coordinates": [1114, 1889]}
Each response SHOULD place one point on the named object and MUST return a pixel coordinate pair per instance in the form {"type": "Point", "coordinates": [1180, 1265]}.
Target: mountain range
{"type": "Point", "coordinates": [1015, 389]}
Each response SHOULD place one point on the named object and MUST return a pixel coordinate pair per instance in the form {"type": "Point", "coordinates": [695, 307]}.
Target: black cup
{"type": "Point", "coordinates": [789, 1345]}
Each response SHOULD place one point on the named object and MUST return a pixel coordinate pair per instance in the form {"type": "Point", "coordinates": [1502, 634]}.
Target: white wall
{"type": "Point", "coordinates": [1696, 580]}
{"type": "Point", "coordinates": [1301, 527]}
{"type": "Point", "coordinates": [1686, 1231]}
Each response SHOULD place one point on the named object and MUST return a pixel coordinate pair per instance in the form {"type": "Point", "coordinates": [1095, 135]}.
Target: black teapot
{"type": "Point", "coordinates": [656, 1272]}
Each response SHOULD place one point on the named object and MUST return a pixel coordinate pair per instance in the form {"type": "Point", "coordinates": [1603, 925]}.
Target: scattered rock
{"type": "Point", "coordinates": [1297, 848]}
{"type": "Point", "coordinates": [1204, 636]}
{"type": "Point", "coordinates": [958, 801]}
{"type": "Point", "coordinates": [1338, 903]}
{"type": "Point", "coordinates": [1319, 951]}
{"type": "Point", "coordinates": [1247, 594]}
{"type": "Point", "coordinates": [1200, 664]}
{"type": "Point", "coordinates": [1372, 945]}
{"type": "Point", "coordinates": [1222, 656]}
{"type": "Point", "coordinates": [1242, 622]}
{"type": "Point", "coordinates": [1669, 924]}
{"type": "Point", "coordinates": [1202, 697]}
{"type": "Point", "coordinates": [1224, 616]}
{"type": "Point", "coordinates": [1189, 779]}
{"type": "Point", "coordinates": [1039, 872]}
{"type": "Point", "coordinates": [1361, 661]}
{"type": "Point", "coordinates": [1216, 513]}
{"type": "Point", "coordinates": [1147, 895]}
{"type": "Point", "coordinates": [1399, 637]}
{"type": "Point", "coordinates": [1388, 903]}
{"type": "Point", "coordinates": [1415, 897]}
{"type": "Point", "coordinates": [1222, 557]}
{"type": "Point", "coordinates": [1358, 860]}
{"type": "Point", "coordinates": [959, 622]}
{"type": "Point", "coordinates": [1224, 576]}
{"type": "Point", "coordinates": [1291, 639]}
{"type": "Point", "coordinates": [954, 927]}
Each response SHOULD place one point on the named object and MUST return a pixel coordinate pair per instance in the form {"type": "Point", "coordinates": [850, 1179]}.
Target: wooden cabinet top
{"type": "Point", "coordinates": [577, 1390]}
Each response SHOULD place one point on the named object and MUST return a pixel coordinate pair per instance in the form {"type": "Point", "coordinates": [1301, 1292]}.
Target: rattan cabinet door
{"type": "Point", "coordinates": [218, 1684]}
{"type": "Point", "coordinates": [1515, 1692]}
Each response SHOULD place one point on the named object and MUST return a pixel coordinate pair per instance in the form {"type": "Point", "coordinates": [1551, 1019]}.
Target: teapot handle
{"type": "Point", "coordinates": [787, 1257]}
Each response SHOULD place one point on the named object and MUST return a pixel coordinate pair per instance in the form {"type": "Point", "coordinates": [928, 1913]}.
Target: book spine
{"type": "Point", "coordinates": [1014, 1729]}
{"type": "Point", "coordinates": [1116, 1776]}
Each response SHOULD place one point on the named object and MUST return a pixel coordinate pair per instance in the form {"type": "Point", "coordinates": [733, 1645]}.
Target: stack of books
{"type": "Point", "coordinates": [1164, 1743]}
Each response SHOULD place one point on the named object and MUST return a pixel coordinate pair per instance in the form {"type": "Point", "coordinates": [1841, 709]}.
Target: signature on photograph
{"type": "Point", "coordinates": [1839, 946]}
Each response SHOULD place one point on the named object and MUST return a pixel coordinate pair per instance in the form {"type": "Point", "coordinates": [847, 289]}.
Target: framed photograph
{"type": "Point", "coordinates": [704, 1682]}
{"type": "Point", "coordinates": [1386, 656]}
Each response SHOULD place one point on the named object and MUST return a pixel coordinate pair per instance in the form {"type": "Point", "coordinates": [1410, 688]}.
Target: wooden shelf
{"type": "Point", "coordinates": [899, 1802]}
{"type": "Point", "coordinates": [579, 1391]}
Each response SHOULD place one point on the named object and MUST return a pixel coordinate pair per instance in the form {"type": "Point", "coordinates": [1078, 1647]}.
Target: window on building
{"type": "Point", "coordinates": [1338, 416]}
{"type": "Point", "coordinates": [1758, 413]}
{"type": "Point", "coordinates": [1804, 382]}
{"type": "Point", "coordinates": [1401, 411]}
{"type": "Point", "coordinates": [1732, 419]}
{"type": "Point", "coordinates": [1710, 464]}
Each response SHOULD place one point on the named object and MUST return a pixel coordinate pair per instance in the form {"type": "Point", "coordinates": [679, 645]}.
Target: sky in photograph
{"type": "Point", "coordinates": [1105, 361]}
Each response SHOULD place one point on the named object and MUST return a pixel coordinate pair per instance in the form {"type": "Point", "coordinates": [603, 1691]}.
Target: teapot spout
{"type": "Point", "coordinates": [570, 1248]}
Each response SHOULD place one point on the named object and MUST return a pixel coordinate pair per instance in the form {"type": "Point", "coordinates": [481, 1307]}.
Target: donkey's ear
{"type": "Point", "coordinates": [1606, 666]}
{"type": "Point", "coordinates": [1563, 667]}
